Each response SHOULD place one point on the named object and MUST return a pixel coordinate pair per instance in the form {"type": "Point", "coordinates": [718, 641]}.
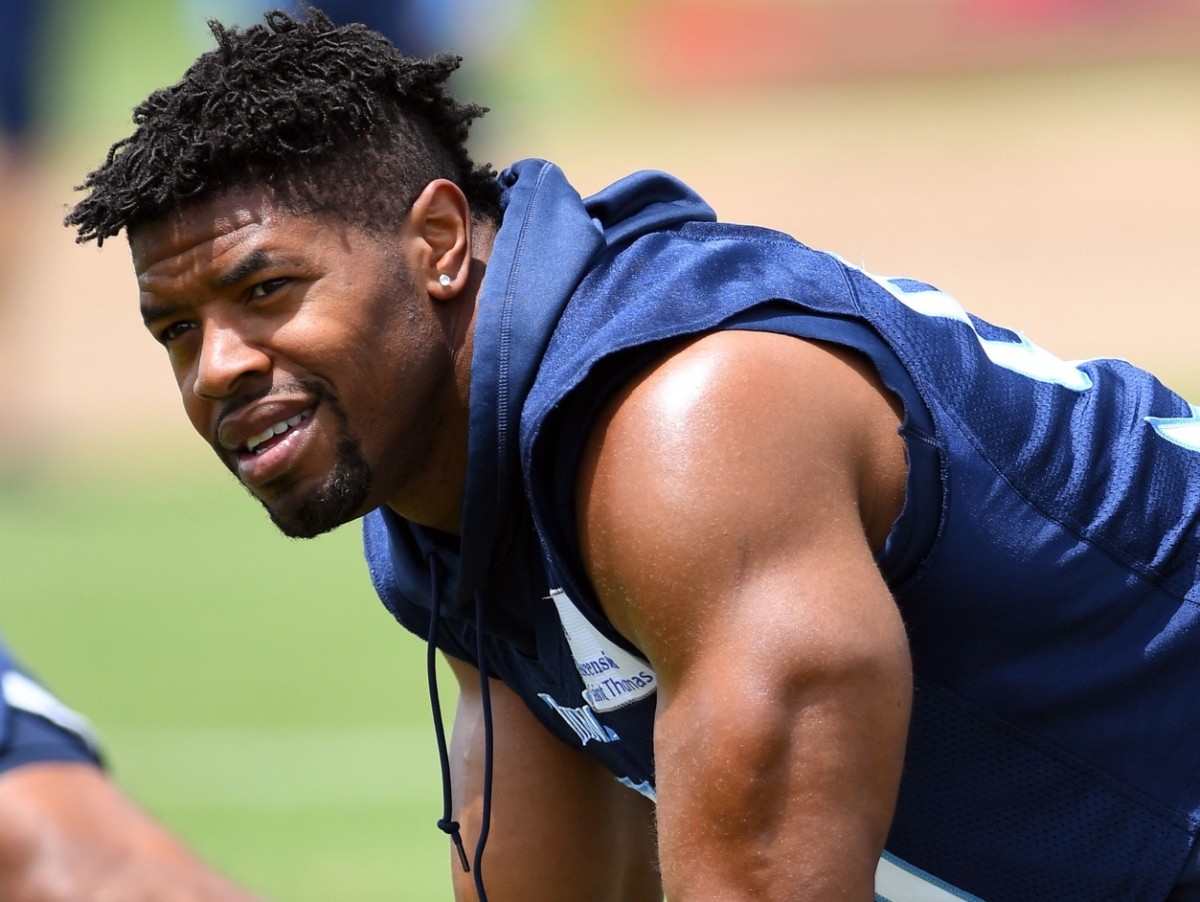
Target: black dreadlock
{"type": "Point", "coordinates": [331, 119]}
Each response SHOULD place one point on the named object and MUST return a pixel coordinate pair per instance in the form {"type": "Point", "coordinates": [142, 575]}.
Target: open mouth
{"type": "Point", "coordinates": [259, 443]}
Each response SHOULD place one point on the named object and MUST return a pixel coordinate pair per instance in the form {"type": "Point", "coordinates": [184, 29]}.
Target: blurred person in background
{"type": "Point", "coordinates": [24, 26]}
{"type": "Point", "coordinates": [417, 27]}
{"type": "Point", "coordinates": [67, 831]}
{"type": "Point", "coordinates": [20, 36]}
{"type": "Point", "coordinates": [762, 577]}
{"type": "Point", "coordinates": [476, 29]}
{"type": "Point", "coordinates": [22, 30]}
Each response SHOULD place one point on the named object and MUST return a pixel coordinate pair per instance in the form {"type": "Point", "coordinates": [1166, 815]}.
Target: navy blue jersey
{"type": "Point", "coordinates": [35, 726]}
{"type": "Point", "coordinates": [1045, 561]}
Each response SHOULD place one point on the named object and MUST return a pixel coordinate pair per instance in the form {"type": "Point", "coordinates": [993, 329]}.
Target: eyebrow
{"type": "Point", "coordinates": [246, 267]}
{"type": "Point", "coordinates": [152, 312]}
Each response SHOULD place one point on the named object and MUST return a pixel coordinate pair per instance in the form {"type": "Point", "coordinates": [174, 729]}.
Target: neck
{"type": "Point", "coordinates": [438, 503]}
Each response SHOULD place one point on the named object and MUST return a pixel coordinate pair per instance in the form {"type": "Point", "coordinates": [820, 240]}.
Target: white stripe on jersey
{"type": "Point", "coordinates": [899, 881]}
{"type": "Point", "coordinates": [22, 692]}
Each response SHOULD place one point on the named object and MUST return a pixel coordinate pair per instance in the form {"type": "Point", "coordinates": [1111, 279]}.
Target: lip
{"type": "Point", "coordinates": [235, 430]}
{"type": "Point", "coordinates": [274, 457]}
{"type": "Point", "coordinates": [277, 456]}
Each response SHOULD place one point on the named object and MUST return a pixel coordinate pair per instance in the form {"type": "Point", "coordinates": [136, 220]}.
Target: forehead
{"type": "Point", "coordinates": [204, 231]}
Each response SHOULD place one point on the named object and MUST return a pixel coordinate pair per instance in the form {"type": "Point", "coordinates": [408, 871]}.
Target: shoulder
{"type": "Point", "coordinates": [744, 405]}
{"type": "Point", "coordinates": [733, 446]}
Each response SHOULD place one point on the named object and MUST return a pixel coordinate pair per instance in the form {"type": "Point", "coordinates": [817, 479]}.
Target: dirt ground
{"type": "Point", "coordinates": [1065, 204]}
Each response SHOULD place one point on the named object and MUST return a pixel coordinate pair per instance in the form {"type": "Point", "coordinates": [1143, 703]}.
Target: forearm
{"type": "Point", "coordinates": [561, 827]}
{"type": "Point", "coordinates": [66, 832]}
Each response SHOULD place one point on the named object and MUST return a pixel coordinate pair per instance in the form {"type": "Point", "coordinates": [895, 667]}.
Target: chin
{"type": "Point", "coordinates": [343, 496]}
{"type": "Point", "coordinates": [304, 524]}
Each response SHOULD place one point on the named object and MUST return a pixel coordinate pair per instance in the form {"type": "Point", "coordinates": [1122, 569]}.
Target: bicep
{"type": "Point", "coordinates": [727, 507]}
{"type": "Point", "coordinates": [561, 825]}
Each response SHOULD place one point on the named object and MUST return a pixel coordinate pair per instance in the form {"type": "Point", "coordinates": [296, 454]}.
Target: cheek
{"type": "Point", "coordinates": [197, 412]}
{"type": "Point", "coordinates": [196, 409]}
{"type": "Point", "coordinates": [185, 382]}
{"type": "Point", "coordinates": [315, 338]}
{"type": "Point", "coordinates": [180, 359]}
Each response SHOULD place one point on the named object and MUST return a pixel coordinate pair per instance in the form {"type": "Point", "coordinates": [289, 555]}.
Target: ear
{"type": "Point", "coordinates": [440, 220]}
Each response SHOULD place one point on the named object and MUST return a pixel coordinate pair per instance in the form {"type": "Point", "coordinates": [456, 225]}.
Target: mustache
{"type": "Point", "coordinates": [291, 387]}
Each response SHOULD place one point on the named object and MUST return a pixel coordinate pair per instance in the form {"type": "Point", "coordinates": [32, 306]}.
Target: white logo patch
{"type": "Point", "coordinates": [612, 677]}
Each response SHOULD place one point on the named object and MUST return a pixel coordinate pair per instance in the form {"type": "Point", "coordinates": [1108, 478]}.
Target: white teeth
{"type": "Point", "coordinates": [277, 429]}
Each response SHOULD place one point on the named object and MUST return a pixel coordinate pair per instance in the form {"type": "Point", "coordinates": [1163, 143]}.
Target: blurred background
{"type": "Point", "coordinates": [1035, 158]}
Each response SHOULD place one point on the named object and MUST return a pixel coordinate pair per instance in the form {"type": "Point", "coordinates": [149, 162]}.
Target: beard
{"type": "Point", "coordinates": [339, 499]}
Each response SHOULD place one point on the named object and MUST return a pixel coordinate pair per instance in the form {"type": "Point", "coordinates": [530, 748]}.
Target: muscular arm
{"type": "Point", "coordinates": [562, 827]}
{"type": "Point", "coordinates": [729, 501]}
{"type": "Point", "coordinates": [67, 833]}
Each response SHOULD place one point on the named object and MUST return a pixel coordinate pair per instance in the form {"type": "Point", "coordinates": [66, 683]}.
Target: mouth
{"type": "Point", "coordinates": [260, 443]}
{"type": "Point", "coordinates": [265, 457]}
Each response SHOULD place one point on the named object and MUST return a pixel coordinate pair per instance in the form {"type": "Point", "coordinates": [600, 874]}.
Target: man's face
{"type": "Point", "coordinates": [303, 353]}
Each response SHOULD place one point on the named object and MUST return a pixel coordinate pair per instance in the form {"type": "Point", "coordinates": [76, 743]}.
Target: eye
{"type": "Point", "coordinates": [267, 288]}
{"type": "Point", "coordinates": [174, 331]}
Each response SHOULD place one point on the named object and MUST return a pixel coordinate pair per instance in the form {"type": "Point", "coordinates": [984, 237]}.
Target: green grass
{"type": "Point", "coordinates": [251, 691]}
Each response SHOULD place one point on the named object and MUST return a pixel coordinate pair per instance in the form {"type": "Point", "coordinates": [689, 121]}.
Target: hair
{"type": "Point", "coordinates": [330, 119]}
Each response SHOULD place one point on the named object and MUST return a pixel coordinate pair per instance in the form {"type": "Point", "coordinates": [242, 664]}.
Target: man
{"type": "Point", "coordinates": [66, 831]}
{"type": "Point", "coordinates": [704, 505]}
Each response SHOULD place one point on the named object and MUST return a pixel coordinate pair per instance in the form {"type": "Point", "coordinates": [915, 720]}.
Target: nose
{"type": "Point", "coordinates": [227, 358]}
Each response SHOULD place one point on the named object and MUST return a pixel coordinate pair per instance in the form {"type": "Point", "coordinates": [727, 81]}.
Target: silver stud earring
{"type": "Point", "coordinates": [444, 280]}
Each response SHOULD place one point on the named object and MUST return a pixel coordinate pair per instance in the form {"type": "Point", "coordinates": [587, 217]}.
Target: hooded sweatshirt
{"type": "Point", "coordinates": [1045, 561]}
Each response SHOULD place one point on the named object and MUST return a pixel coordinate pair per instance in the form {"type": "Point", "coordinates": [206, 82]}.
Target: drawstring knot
{"type": "Point", "coordinates": [451, 829]}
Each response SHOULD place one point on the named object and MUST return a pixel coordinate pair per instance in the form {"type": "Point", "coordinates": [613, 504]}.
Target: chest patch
{"type": "Point", "coordinates": [612, 677]}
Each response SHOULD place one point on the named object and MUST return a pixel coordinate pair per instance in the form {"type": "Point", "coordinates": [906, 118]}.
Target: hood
{"type": "Point", "coordinates": [548, 240]}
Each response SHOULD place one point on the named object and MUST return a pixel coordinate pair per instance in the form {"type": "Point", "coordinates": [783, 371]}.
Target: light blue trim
{"type": "Point", "coordinates": [644, 788]}
{"type": "Point", "coordinates": [1181, 431]}
{"type": "Point", "coordinates": [1021, 356]}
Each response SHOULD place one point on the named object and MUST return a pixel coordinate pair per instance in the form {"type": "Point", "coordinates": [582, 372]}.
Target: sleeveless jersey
{"type": "Point", "coordinates": [1045, 561]}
